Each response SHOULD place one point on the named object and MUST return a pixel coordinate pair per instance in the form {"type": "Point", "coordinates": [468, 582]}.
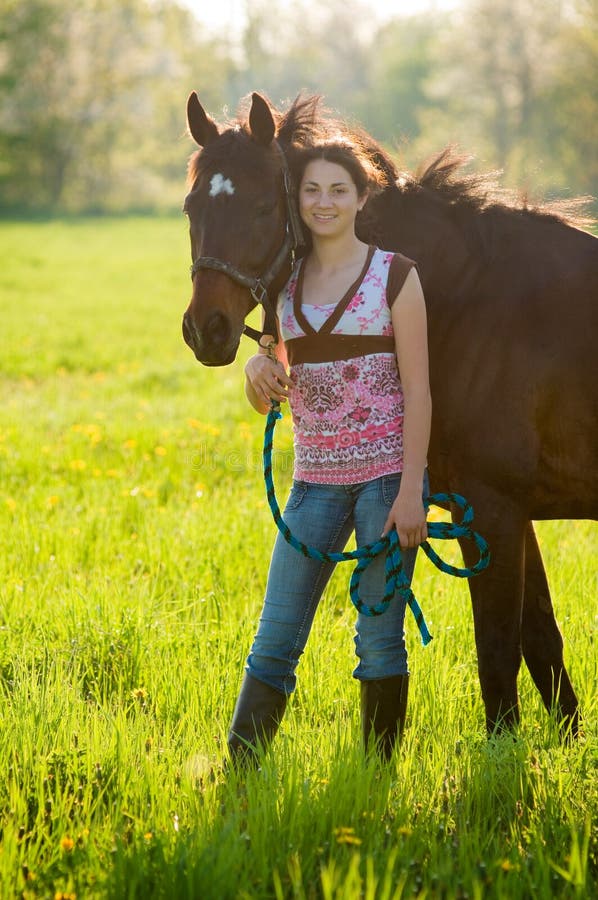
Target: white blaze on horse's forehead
{"type": "Point", "coordinates": [221, 185]}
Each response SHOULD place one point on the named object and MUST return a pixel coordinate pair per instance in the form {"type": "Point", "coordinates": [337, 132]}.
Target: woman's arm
{"type": "Point", "coordinates": [409, 322]}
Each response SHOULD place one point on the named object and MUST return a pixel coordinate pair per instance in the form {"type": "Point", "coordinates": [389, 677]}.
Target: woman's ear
{"type": "Point", "coordinates": [363, 200]}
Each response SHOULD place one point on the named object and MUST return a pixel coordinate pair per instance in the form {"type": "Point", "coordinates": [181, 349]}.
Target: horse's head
{"type": "Point", "coordinates": [238, 208]}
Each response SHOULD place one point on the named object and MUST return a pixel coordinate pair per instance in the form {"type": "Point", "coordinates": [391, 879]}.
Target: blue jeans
{"type": "Point", "coordinates": [324, 516]}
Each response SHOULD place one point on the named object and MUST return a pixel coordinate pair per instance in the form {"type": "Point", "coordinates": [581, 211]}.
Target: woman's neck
{"type": "Point", "coordinates": [331, 256]}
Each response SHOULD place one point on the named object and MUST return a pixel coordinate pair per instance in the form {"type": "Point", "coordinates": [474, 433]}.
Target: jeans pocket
{"type": "Point", "coordinates": [390, 485]}
{"type": "Point", "coordinates": [298, 492]}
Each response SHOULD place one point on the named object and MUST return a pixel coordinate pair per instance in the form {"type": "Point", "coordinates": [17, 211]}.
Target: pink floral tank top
{"type": "Point", "coordinates": [346, 400]}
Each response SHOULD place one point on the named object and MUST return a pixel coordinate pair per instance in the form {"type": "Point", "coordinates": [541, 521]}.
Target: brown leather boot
{"type": "Point", "coordinates": [258, 713]}
{"type": "Point", "coordinates": [383, 711]}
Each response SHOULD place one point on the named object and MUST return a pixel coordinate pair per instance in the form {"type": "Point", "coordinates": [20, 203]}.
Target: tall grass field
{"type": "Point", "coordinates": [135, 539]}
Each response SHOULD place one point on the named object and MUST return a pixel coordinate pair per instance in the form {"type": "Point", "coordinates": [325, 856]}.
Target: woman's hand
{"type": "Point", "coordinates": [267, 378]}
{"type": "Point", "coordinates": [408, 516]}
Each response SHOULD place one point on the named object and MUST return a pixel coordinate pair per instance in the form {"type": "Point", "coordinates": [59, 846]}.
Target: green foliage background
{"type": "Point", "coordinates": [92, 93]}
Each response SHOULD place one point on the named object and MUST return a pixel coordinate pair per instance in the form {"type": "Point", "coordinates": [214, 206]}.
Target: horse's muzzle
{"type": "Point", "coordinates": [215, 345]}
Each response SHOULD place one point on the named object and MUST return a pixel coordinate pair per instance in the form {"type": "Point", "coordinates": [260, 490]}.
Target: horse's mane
{"type": "Point", "coordinates": [443, 175]}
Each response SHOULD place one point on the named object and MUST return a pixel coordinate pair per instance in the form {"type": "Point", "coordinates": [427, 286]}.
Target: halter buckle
{"type": "Point", "coordinates": [259, 292]}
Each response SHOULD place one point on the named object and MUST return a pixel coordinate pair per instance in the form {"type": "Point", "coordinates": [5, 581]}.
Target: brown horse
{"type": "Point", "coordinates": [512, 296]}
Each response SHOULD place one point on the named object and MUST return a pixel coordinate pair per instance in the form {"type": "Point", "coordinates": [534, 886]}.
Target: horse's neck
{"type": "Point", "coordinates": [442, 245]}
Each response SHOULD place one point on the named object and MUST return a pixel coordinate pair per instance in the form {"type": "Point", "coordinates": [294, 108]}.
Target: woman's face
{"type": "Point", "coordinates": [328, 199]}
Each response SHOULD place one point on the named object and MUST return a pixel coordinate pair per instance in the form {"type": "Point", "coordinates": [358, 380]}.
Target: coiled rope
{"type": "Point", "coordinates": [396, 580]}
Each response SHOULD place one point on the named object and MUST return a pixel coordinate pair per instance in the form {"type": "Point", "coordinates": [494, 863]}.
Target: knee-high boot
{"type": "Point", "coordinates": [383, 711]}
{"type": "Point", "coordinates": [258, 713]}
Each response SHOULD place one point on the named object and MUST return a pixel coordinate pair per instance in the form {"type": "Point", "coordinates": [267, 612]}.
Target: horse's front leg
{"type": "Point", "coordinates": [542, 643]}
{"type": "Point", "coordinates": [497, 598]}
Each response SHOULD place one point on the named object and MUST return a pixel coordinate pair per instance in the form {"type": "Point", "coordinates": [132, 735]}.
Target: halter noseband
{"type": "Point", "coordinates": [259, 286]}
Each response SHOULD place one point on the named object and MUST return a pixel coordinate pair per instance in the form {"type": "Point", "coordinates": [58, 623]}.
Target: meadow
{"type": "Point", "coordinates": [135, 540]}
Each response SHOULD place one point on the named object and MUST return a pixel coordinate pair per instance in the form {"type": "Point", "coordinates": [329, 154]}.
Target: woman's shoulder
{"type": "Point", "coordinates": [398, 266]}
{"type": "Point", "coordinates": [393, 258]}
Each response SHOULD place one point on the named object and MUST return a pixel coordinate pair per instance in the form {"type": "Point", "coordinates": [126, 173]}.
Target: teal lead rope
{"type": "Point", "coordinates": [396, 580]}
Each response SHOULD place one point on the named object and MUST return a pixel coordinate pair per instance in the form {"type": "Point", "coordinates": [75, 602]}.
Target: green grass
{"type": "Point", "coordinates": [135, 540]}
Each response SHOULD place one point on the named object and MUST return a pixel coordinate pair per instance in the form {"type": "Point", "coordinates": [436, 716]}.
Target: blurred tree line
{"type": "Point", "coordinates": [93, 92]}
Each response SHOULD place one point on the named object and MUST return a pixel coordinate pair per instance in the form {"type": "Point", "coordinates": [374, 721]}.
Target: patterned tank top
{"type": "Point", "coordinates": [346, 400]}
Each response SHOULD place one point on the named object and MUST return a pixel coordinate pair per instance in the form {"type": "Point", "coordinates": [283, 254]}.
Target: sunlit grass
{"type": "Point", "coordinates": [135, 540]}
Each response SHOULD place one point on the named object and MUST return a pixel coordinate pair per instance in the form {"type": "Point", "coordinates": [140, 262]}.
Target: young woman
{"type": "Point", "coordinates": [351, 316]}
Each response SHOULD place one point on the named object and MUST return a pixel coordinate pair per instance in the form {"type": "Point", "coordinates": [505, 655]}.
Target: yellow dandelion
{"type": "Point", "coordinates": [148, 836]}
{"type": "Point", "coordinates": [350, 839]}
{"type": "Point", "coordinates": [113, 473]}
{"type": "Point", "coordinates": [507, 866]}
{"type": "Point", "coordinates": [139, 693]}
{"type": "Point", "coordinates": [96, 473]}
{"type": "Point", "coordinates": [77, 465]}
{"type": "Point", "coordinates": [12, 504]}
{"type": "Point", "coordinates": [160, 451]}
{"type": "Point", "coordinates": [67, 844]}
{"type": "Point", "coordinates": [206, 427]}
{"type": "Point", "coordinates": [130, 444]}
{"type": "Point", "coordinates": [53, 500]}
{"type": "Point", "coordinates": [347, 836]}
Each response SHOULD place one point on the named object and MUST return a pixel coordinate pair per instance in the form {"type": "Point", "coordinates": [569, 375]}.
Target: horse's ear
{"type": "Point", "coordinates": [203, 129]}
{"type": "Point", "coordinates": [261, 121]}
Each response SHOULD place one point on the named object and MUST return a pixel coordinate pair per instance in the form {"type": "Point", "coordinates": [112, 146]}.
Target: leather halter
{"type": "Point", "coordinates": [259, 286]}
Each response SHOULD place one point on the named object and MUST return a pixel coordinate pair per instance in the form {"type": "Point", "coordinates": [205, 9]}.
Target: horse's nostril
{"type": "Point", "coordinates": [190, 335]}
{"type": "Point", "coordinates": [217, 328]}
